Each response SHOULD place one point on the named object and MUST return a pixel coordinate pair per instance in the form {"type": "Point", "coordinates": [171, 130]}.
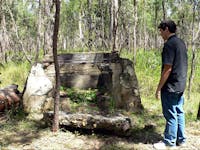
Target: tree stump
{"type": "Point", "coordinates": [115, 124]}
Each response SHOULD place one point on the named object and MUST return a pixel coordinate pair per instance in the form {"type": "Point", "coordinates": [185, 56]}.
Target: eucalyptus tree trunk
{"type": "Point", "coordinates": [195, 36]}
{"type": "Point", "coordinates": [164, 10]}
{"type": "Point", "coordinates": [182, 15]}
{"type": "Point", "coordinates": [102, 32]}
{"type": "Point", "coordinates": [115, 4]}
{"type": "Point", "coordinates": [57, 70]}
{"type": "Point", "coordinates": [129, 37]}
{"type": "Point", "coordinates": [80, 25]}
{"type": "Point", "coordinates": [48, 26]}
{"type": "Point", "coordinates": [38, 32]}
{"type": "Point", "coordinates": [4, 39]}
{"type": "Point", "coordinates": [144, 26]}
{"type": "Point", "coordinates": [81, 37]}
{"type": "Point", "coordinates": [89, 25]}
{"type": "Point", "coordinates": [111, 23]}
{"type": "Point", "coordinates": [134, 30]}
{"type": "Point", "coordinates": [156, 24]}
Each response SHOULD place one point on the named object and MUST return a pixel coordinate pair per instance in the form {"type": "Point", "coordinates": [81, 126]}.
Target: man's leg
{"type": "Point", "coordinates": [169, 104]}
{"type": "Point", "coordinates": [181, 122]}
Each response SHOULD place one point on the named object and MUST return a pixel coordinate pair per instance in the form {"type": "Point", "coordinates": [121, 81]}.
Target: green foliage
{"type": "Point", "coordinates": [25, 14]}
{"type": "Point", "coordinates": [80, 96]}
{"type": "Point", "coordinates": [14, 73]}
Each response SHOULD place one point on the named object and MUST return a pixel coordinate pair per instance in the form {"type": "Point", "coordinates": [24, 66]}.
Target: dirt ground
{"type": "Point", "coordinates": [44, 139]}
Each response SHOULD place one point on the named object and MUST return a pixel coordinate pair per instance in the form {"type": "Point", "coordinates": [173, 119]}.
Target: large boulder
{"type": "Point", "coordinates": [37, 88]}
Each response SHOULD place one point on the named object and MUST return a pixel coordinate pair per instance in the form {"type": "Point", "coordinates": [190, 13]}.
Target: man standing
{"type": "Point", "coordinates": [172, 85]}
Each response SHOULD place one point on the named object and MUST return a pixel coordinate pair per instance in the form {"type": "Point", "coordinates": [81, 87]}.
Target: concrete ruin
{"type": "Point", "coordinates": [106, 72]}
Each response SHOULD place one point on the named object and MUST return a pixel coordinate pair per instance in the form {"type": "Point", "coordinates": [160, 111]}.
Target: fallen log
{"type": "Point", "coordinates": [116, 124]}
{"type": "Point", "coordinates": [9, 96]}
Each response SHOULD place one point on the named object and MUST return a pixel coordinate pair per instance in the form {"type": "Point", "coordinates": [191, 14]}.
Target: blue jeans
{"type": "Point", "coordinates": [172, 106]}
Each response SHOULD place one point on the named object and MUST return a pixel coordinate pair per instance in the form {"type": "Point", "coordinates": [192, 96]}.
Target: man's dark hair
{"type": "Point", "coordinates": [168, 23]}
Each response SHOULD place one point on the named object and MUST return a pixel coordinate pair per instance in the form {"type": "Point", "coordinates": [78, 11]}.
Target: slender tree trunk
{"type": "Point", "coordinates": [102, 35]}
{"type": "Point", "coordinates": [198, 114]}
{"type": "Point", "coordinates": [129, 37]}
{"type": "Point", "coordinates": [134, 31]}
{"type": "Point", "coordinates": [144, 26]}
{"type": "Point", "coordinates": [80, 28]}
{"type": "Point", "coordinates": [115, 24]}
{"type": "Point", "coordinates": [156, 24]}
{"type": "Point", "coordinates": [164, 10]}
{"type": "Point", "coordinates": [193, 64]}
{"type": "Point", "coordinates": [48, 23]}
{"type": "Point", "coordinates": [111, 23]}
{"type": "Point", "coordinates": [89, 25]}
{"type": "Point", "coordinates": [64, 43]}
{"type": "Point", "coordinates": [57, 88]}
{"type": "Point", "coordinates": [38, 32]}
{"type": "Point", "coordinates": [3, 36]}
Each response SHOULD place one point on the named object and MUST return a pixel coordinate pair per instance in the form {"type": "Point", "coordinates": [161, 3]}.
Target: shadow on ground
{"type": "Point", "coordinates": [18, 131]}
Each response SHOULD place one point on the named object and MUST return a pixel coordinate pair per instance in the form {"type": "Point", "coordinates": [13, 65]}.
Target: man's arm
{"type": "Point", "coordinates": [164, 76]}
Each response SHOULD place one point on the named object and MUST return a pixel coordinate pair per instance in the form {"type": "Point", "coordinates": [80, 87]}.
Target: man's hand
{"type": "Point", "coordinates": [157, 94]}
{"type": "Point", "coordinates": [164, 76]}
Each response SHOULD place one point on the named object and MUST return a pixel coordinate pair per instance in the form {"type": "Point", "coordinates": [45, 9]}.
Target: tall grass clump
{"type": "Point", "coordinates": [14, 73]}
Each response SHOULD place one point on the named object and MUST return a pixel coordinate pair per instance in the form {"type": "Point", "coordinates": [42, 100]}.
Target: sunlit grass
{"type": "Point", "coordinates": [14, 73]}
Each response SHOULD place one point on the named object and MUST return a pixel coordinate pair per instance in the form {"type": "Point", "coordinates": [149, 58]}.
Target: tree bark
{"type": "Point", "coordinates": [38, 32]}
{"type": "Point", "coordinates": [144, 26]}
{"type": "Point", "coordinates": [134, 31]}
{"type": "Point", "coordinates": [57, 71]}
{"type": "Point", "coordinates": [81, 37]}
{"type": "Point", "coordinates": [48, 25]}
{"type": "Point", "coordinates": [195, 36]}
{"type": "Point", "coordinates": [115, 24]}
{"type": "Point", "coordinates": [198, 114]}
{"type": "Point", "coordinates": [156, 24]}
{"type": "Point", "coordinates": [89, 25]}
{"type": "Point", "coordinates": [111, 23]}
{"type": "Point", "coordinates": [102, 35]}
{"type": "Point", "coordinates": [164, 10]}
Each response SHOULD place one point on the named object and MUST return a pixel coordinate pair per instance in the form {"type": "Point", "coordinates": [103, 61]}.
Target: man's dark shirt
{"type": "Point", "coordinates": [175, 54]}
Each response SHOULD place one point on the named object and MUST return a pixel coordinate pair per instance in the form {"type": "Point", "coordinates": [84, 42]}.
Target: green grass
{"type": "Point", "coordinates": [14, 73]}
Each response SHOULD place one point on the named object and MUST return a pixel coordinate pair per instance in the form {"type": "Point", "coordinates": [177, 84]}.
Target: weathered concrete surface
{"type": "Point", "coordinates": [104, 71]}
{"type": "Point", "coordinates": [117, 124]}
